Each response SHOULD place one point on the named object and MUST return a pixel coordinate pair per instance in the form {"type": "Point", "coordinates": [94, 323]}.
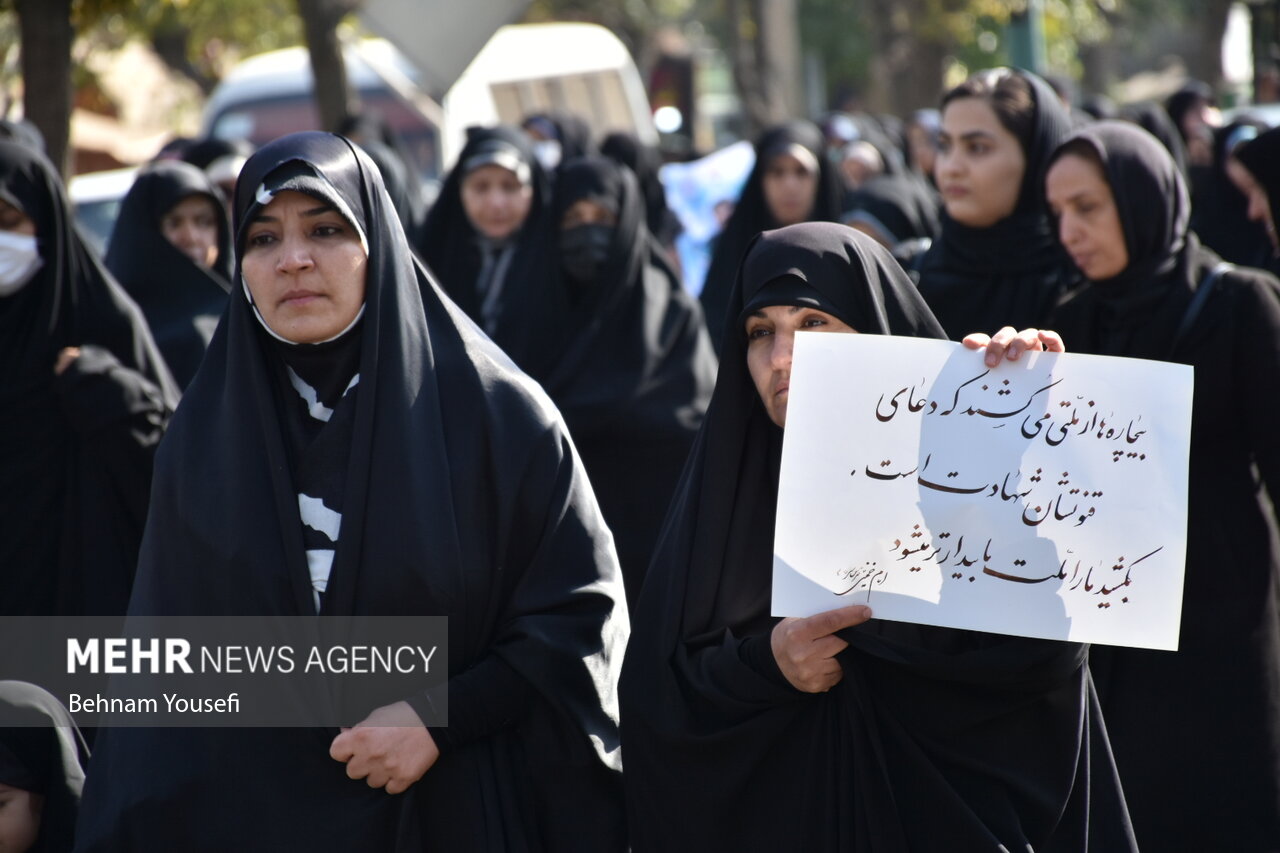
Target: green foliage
{"type": "Point", "coordinates": [217, 32]}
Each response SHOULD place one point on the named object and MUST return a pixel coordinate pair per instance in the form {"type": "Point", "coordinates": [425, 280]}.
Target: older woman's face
{"type": "Point", "coordinates": [1088, 221]}
{"type": "Point", "coordinates": [191, 226]}
{"type": "Point", "coordinates": [979, 166]}
{"type": "Point", "coordinates": [771, 336]}
{"type": "Point", "coordinates": [19, 819]}
{"type": "Point", "coordinates": [305, 266]}
{"type": "Point", "coordinates": [495, 201]}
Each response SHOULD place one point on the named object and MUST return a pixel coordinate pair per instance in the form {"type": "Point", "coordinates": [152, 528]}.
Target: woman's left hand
{"type": "Point", "coordinates": [390, 748]}
{"type": "Point", "coordinates": [1011, 344]}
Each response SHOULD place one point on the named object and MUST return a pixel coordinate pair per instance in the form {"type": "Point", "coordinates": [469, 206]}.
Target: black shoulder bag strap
{"type": "Point", "coordinates": [1201, 296]}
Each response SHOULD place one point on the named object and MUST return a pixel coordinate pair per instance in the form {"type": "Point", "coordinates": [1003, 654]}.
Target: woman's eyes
{"type": "Point", "coordinates": [266, 238]}
{"type": "Point", "coordinates": [758, 332]}
{"type": "Point", "coordinates": [262, 238]}
{"type": "Point", "coordinates": [810, 322]}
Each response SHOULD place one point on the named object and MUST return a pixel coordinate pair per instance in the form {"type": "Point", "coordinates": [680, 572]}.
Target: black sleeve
{"type": "Point", "coordinates": [97, 392]}
{"type": "Point", "coordinates": [488, 697]}
{"type": "Point", "coordinates": [757, 653]}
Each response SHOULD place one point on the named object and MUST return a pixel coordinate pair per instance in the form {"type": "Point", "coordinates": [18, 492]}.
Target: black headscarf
{"type": "Point", "coordinates": [899, 206]}
{"type": "Point", "coordinates": [751, 214]}
{"type": "Point", "coordinates": [934, 740]}
{"type": "Point", "coordinates": [452, 248]}
{"type": "Point", "coordinates": [635, 370]}
{"type": "Point", "coordinates": [570, 130]}
{"type": "Point", "coordinates": [1221, 218]}
{"type": "Point", "coordinates": [182, 301]}
{"type": "Point", "coordinates": [41, 751]}
{"type": "Point", "coordinates": [1155, 120]}
{"type": "Point", "coordinates": [1011, 273]}
{"type": "Point", "coordinates": [1139, 309]}
{"type": "Point", "coordinates": [644, 162]}
{"type": "Point", "coordinates": [75, 449]}
{"type": "Point", "coordinates": [1229, 643]}
{"type": "Point", "coordinates": [1183, 101]}
{"type": "Point", "coordinates": [1261, 156]}
{"type": "Point", "coordinates": [462, 497]}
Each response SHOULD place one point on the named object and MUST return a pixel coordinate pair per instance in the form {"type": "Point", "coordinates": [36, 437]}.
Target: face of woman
{"type": "Point", "coordinates": [923, 148]}
{"type": "Point", "coordinates": [191, 226]}
{"type": "Point", "coordinates": [771, 336]}
{"type": "Point", "coordinates": [789, 189]}
{"type": "Point", "coordinates": [1088, 221]}
{"type": "Point", "coordinates": [19, 819]}
{"type": "Point", "coordinates": [980, 164]}
{"type": "Point", "coordinates": [495, 201]}
{"type": "Point", "coordinates": [15, 220]}
{"type": "Point", "coordinates": [1259, 205]}
{"type": "Point", "coordinates": [305, 266]}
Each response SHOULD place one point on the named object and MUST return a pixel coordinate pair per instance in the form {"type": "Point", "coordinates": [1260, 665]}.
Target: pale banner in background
{"type": "Point", "coordinates": [1043, 498]}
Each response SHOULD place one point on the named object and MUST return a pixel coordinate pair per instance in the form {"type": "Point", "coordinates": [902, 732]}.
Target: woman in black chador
{"type": "Point", "coordinates": [84, 400]}
{"type": "Point", "coordinates": [634, 367]}
{"type": "Point", "coordinates": [42, 758]}
{"type": "Point", "coordinates": [1196, 733]}
{"type": "Point", "coordinates": [171, 249]}
{"type": "Point", "coordinates": [488, 241]}
{"type": "Point", "coordinates": [358, 447]}
{"type": "Point", "coordinates": [995, 261]}
{"type": "Point", "coordinates": [746, 733]}
{"type": "Point", "coordinates": [792, 181]}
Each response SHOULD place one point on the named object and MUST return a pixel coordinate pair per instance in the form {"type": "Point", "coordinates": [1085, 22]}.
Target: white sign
{"type": "Point", "coordinates": [1041, 498]}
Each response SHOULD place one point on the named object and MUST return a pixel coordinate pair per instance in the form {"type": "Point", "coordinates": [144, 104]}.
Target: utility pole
{"type": "Point", "coordinates": [1026, 37]}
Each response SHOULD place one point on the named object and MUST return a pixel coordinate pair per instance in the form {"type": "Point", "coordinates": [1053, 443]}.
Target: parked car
{"type": "Point", "coordinates": [96, 198]}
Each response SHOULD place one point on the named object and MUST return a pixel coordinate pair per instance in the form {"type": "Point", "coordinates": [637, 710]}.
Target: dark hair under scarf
{"type": "Point", "coordinates": [65, 501]}
{"type": "Point", "coordinates": [181, 300]}
{"type": "Point", "coordinates": [1011, 273]}
{"type": "Point", "coordinates": [635, 369]}
{"type": "Point", "coordinates": [462, 498]}
{"type": "Point", "coordinates": [751, 214]}
{"type": "Point", "coordinates": [41, 751]}
{"type": "Point", "coordinates": [722, 753]}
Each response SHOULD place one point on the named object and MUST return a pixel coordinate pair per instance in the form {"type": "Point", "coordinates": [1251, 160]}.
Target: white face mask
{"type": "Point", "coordinates": [548, 153]}
{"type": "Point", "coordinates": [19, 261]}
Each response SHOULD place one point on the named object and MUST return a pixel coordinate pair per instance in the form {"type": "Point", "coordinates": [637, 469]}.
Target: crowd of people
{"type": "Point", "coordinates": [290, 388]}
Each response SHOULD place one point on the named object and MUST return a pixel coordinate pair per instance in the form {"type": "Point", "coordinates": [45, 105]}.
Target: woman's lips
{"type": "Point", "coordinates": [299, 297]}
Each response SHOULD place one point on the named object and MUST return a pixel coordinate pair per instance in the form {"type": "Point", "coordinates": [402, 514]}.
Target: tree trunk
{"type": "Point", "coordinates": [779, 41]}
{"type": "Point", "coordinates": [1206, 62]}
{"type": "Point", "coordinates": [46, 73]}
{"type": "Point", "coordinates": [906, 70]}
{"type": "Point", "coordinates": [334, 96]}
{"type": "Point", "coordinates": [170, 40]}
{"type": "Point", "coordinates": [748, 77]}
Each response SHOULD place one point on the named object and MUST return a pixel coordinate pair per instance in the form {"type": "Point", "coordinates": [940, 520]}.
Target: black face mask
{"type": "Point", "coordinates": [584, 250]}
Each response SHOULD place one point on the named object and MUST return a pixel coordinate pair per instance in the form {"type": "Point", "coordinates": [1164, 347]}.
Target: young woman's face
{"type": "Point", "coordinates": [1259, 205]}
{"type": "Point", "coordinates": [305, 266]}
{"type": "Point", "coordinates": [771, 336]}
{"type": "Point", "coordinates": [495, 201]}
{"type": "Point", "coordinates": [15, 220]}
{"type": "Point", "coordinates": [1088, 221]}
{"type": "Point", "coordinates": [191, 226]}
{"type": "Point", "coordinates": [19, 819]}
{"type": "Point", "coordinates": [980, 164]}
{"type": "Point", "coordinates": [924, 151]}
{"type": "Point", "coordinates": [789, 189]}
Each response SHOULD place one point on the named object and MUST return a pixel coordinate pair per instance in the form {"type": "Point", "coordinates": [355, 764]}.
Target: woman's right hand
{"type": "Point", "coordinates": [806, 649]}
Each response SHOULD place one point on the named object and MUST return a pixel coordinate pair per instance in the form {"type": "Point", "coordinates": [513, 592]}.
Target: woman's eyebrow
{"type": "Point", "coordinates": [315, 211]}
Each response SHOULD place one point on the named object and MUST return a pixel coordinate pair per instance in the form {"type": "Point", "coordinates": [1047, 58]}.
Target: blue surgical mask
{"type": "Point", "coordinates": [19, 261]}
